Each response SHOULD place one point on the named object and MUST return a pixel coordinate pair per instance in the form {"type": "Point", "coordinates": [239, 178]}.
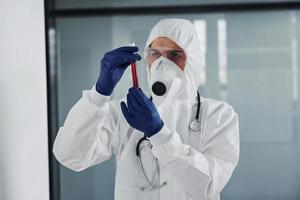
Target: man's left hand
{"type": "Point", "coordinates": [141, 113]}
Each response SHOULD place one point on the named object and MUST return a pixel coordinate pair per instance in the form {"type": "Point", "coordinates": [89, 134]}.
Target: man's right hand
{"type": "Point", "coordinates": [113, 65]}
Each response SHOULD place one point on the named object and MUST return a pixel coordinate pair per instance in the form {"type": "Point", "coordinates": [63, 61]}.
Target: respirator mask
{"type": "Point", "coordinates": [164, 73]}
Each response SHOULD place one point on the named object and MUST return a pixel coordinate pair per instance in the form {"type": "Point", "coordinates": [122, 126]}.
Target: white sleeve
{"type": "Point", "coordinates": [90, 132]}
{"type": "Point", "coordinates": [203, 174]}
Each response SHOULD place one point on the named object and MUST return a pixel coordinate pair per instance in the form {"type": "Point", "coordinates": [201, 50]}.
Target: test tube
{"type": "Point", "coordinates": [133, 71]}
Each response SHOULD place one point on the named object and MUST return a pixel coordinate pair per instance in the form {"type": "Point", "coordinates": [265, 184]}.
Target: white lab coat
{"type": "Point", "coordinates": [195, 165]}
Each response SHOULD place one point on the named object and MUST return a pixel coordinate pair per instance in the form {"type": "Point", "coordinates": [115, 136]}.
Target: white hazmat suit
{"type": "Point", "coordinates": [195, 165]}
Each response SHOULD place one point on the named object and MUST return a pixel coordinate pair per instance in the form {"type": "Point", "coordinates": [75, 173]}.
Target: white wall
{"type": "Point", "coordinates": [23, 109]}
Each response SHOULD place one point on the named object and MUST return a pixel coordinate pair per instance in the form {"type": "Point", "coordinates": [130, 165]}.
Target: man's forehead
{"type": "Point", "coordinates": [164, 42]}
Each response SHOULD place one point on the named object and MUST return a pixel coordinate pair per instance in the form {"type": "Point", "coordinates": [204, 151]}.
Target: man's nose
{"type": "Point", "coordinates": [164, 54]}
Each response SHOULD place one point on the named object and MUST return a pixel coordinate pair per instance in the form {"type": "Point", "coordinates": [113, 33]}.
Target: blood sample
{"type": "Point", "coordinates": [133, 71]}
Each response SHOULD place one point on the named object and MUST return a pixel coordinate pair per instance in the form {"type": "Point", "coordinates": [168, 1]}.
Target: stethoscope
{"type": "Point", "coordinates": [194, 125]}
{"type": "Point", "coordinates": [155, 185]}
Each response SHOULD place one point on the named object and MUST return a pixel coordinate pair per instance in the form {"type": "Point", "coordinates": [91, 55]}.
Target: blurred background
{"type": "Point", "coordinates": [50, 51]}
{"type": "Point", "coordinates": [251, 52]}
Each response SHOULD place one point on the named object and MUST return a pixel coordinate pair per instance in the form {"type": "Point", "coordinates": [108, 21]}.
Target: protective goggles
{"type": "Point", "coordinates": [178, 56]}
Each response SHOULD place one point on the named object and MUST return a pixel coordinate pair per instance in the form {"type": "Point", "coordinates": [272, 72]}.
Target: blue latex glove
{"type": "Point", "coordinates": [141, 113]}
{"type": "Point", "coordinates": [113, 65]}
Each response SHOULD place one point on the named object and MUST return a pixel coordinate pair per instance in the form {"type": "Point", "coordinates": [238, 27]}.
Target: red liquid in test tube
{"type": "Point", "coordinates": [133, 72]}
{"type": "Point", "coordinates": [134, 75]}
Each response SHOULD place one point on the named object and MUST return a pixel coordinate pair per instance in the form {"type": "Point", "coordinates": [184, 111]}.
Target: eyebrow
{"type": "Point", "coordinates": [173, 49]}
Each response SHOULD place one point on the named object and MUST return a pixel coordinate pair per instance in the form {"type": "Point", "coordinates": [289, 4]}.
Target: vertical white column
{"type": "Point", "coordinates": [200, 26]}
{"type": "Point", "coordinates": [222, 55]}
{"type": "Point", "coordinates": [23, 103]}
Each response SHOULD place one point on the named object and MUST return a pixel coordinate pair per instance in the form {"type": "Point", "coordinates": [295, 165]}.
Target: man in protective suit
{"type": "Point", "coordinates": [175, 145]}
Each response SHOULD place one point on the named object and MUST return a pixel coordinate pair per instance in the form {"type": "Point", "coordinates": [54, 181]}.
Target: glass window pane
{"type": "Point", "coordinates": [251, 61]}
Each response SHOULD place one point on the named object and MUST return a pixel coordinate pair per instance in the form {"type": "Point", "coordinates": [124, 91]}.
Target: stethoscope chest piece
{"type": "Point", "coordinates": [195, 125]}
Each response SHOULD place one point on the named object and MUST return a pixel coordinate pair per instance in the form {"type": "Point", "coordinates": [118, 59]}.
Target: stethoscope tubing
{"type": "Point", "coordinates": [138, 154]}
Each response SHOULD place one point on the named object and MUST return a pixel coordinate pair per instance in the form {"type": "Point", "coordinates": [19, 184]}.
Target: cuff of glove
{"type": "Point", "coordinates": [163, 136]}
{"type": "Point", "coordinates": [97, 98]}
{"type": "Point", "coordinates": [103, 91]}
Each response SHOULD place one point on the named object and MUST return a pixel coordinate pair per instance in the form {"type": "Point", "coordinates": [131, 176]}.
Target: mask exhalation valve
{"type": "Point", "coordinates": [159, 88]}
